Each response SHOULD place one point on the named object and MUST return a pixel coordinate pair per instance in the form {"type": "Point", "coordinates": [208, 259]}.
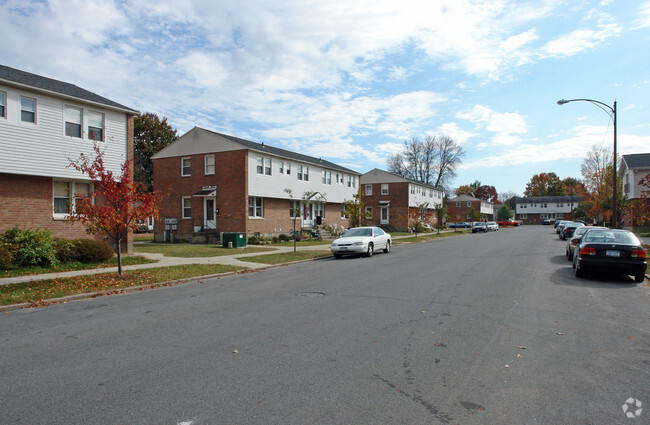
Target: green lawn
{"type": "Point", "coordinates": [196, 250]}
{"type": "Point", "coordinates": [38, 292]}
{"type": "Point", "coordinates": [423, 237]}
{"type": "Point", "coordinates": [66, 267]}
{"type": "Point", "coordinates": [285, 257]}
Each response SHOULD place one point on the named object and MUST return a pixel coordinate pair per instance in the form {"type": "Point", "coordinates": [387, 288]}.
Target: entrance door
{"type": "Point", "coordinates": [209, 213]}
{"type": "Point", "coordinates": [307, 214]}
{"type": "Point", "coordinates": [383, 217]}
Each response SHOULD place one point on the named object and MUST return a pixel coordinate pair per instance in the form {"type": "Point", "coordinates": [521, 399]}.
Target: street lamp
{"type": "Point", "coordinates": [611, 111]}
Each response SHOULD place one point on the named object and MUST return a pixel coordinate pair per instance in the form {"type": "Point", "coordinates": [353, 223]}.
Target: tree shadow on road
{"type": "Point", "coordinates": [564, 276]}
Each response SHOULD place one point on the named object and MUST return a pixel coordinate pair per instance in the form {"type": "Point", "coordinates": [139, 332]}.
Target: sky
{"type": "Point", "coordinates": [350, 81]}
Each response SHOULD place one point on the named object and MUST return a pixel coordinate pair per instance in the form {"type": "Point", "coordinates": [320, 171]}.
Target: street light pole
{"type": "Point", "coordinates": [611, 111]}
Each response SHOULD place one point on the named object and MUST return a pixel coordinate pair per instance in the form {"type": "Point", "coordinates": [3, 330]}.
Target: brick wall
{"type": "Point", "coordinates": [26, 201]}
{"type": "Point", "coordinates": [232, 200]}
{"type": "Point", "coordinates": [398, 195]}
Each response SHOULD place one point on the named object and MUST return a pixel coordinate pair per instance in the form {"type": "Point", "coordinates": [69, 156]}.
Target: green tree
{"type": "Point", "coordinates": [504, 213]}
{"type": "Point", "coordinates": [354, 209]}
{"type": "Point", "coordinates": [150, 134]}
{"type": "Point", "coordinates": [475, 214]}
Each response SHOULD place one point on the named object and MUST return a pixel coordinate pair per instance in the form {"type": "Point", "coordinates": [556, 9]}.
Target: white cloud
{"type": "Point", "coordinates": [580, 40]}
{"type": "Point", "coordinates": [504, 125]}
{"type": "Point", "coordinates": [643, 16]}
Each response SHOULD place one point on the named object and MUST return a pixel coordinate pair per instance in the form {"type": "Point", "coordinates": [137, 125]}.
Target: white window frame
{"type": "Point", "coordinates": [92, 128]}
{"type": "Point", "coordinates": [71, 200]}
{"type": "Point", "coordinates": [258, 210]}
{"type": "Point", "coordinates": [344, 212]}
{"type": "Point", "coordinates": [281, 167]}
{"type": "Point", "coordinates": [78, 125]}
{"type": "Point", "coordinates": [288, 168]}
{"type": "Point", "coordinates": [259, 168]}
{"type": "Point", "coordinates": [384, 188]}
{"type": "Point", "coordinates": [299, 172]}
{"type": "Point", "coordinates": [323, 177]}
{"type": "Point", "coordinates": [368, 190]}
{"type": "Point", "coordinates": [383, 220]}
{"type": "Point", "coordinates": [329, 178]}
{"type": "Point", "coordinates": [305, 173]}
{"type": "Point", "coordinates": [186, 158]}
{"type": "Point", "coordinates": [469, 204]}
{"type": "Point", "coordinates": [268, 165]}
{"type": "Point", "coordinates": [33, 121]}
{"type": "Point", "coordinates": [3, 104]}
{"type": "Point", "coordinates": [209, 165]}
{"type": "Point", "coordinates": [369, 213]}
{"type": "Point", "coordinates": [185, 208]}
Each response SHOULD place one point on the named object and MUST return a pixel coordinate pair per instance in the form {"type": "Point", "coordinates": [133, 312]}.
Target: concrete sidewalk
{"type": "Point", "coordinates": [162, 261]}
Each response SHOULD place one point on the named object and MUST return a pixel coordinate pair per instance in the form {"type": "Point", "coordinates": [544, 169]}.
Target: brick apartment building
{"type": "Point", "coordinates": [388, 198]}
{"type": "Point", "coordinates": [44, 123]}
{"type": "Point", "coordinates": [634, 168]}
{"type": "Point", "coordinates": [460, 208]}
{"type": "Point", "coordinates": [212, 183]}
{"type": "Point", "coordinates": [534, 210]}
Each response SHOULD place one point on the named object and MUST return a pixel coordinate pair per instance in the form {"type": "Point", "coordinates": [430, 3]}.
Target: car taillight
{"type": "Point", "coordinates": [638, 253]}
{"type": "Point", "coordinates": [588, 251]}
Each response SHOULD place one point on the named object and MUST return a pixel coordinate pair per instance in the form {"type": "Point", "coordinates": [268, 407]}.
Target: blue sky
{"type": "Point", "coordinates": [351, 80]}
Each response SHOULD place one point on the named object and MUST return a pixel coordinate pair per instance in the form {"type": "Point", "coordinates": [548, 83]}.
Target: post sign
{"type": "Point", "coordinates": [171, 224]}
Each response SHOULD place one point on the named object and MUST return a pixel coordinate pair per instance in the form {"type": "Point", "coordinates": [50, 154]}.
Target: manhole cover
{"type": "Point", "coordinates": [311, 294]}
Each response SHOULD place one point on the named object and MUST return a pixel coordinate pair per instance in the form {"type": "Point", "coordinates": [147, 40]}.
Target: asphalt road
{"type": "Point", "coordinates": [430, 333]}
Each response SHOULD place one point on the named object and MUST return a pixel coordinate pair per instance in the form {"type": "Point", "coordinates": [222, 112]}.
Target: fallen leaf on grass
{"type": "Point", "coordinates": [560, 333]}
{"type": "Point", "coordinates": [518, 356]}
{"type": "Point", "coordinates": [235, 352]}
{"type": "Point", "coordinates": [507, 366]}
{"type": "Point", "coordinates": [522, 347]}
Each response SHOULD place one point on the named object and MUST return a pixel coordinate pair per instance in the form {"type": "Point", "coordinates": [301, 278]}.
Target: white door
{"type": "Point", "coordinates": [307, 214]}
{"type": "Point", "coordinates": [209, 212]}
{"type": "Point", "coordinates": [383, 217]}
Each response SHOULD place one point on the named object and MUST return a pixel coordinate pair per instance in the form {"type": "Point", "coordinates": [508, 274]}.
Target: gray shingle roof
{"type": "Point", "coordinates": [638, 160]}
{"type": "Point", "coordinates": [12, 75]}
{"type": "Point", "coordinates": [284, 153]}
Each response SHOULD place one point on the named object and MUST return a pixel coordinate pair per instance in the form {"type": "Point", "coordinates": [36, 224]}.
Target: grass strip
{"type": "Point", "coordinates": [195, 250]}
{"type": "Point", "coordinates": [38, 292]}
{"type": "Point", "coordinates": [286, 257]}
{"type": "Point", "coordinates": [66, 267]}
{"type": "Point", "coordinates": [424, 237]}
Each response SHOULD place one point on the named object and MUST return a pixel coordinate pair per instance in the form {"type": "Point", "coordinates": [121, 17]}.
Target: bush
{"type": "Point", "coordinates": [30, 247]}
{"type": "Point", "coordinates": [64, 250]}
{"type": "Point", "coordinates": [6, 259]}
{"type": "Point", "coordinates": [258, 240]}
{"type": "Point", "coordinates": [284, 237]}
{"type": "Point", "coordinates": [92, 251]}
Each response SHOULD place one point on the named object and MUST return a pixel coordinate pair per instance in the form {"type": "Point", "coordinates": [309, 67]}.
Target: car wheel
{"type": "Point", "coordinates": [337, 256]}
{"type": "Point", "coordinates": [579, 273]}
{"type": "Point", "coordinates": [639, 278]}
{"type": "Point", "coordinates": [570, 256]}
{"type": "Point", "coordinates": [371, 250]}
{"type": "Point", "coordinates": [387, 249]}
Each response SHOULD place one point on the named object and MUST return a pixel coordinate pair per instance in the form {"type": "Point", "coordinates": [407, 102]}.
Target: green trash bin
{"type": "Point", "coordinates": [234, 239]}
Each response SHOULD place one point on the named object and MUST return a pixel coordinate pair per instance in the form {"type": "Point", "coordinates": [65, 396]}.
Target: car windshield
{"type": "Point", "coordinates": [358, 232]}
{"type": "Point", "coordinates": [608, 236]}
{"type": "Point", "coordinates": [581, 230]}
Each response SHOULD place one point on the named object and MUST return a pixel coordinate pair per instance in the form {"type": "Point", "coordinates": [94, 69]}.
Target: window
{"type": "Point", "coordinates": [3, 104]}
{"type": "Point", "coordinates": [384, 189]}
{"type": "Point", "coordinates": [323, 177]}
{"type": "Point", "coordinates": [260, 165]}
{"type": "Point", "coordinates": [96, 126]}
{"type": "Point", "coordinates": [329, 177]}
{"type": "Point", "coordinates": [430, 193]}
{"type": "Point", "coordinates": [412, 190]}
{"type": "Point", "coordinates": [81, 189]}
{"type": "Point", "coordinates": [72, 121]}
{"type": "Point", "coordinates": [281, 167]}
{"type": "Point", "coordinates": [186, 166]}
{"type": "Point", "coordinates": [344, 211]}
{"type": "Point", "coordinates": [209, 164]}
{"type": "Point", "coordinates": [354, 182]}
{"type": "Point", "coordinates": [255, 207]}
{"type": "Point", "coordinates": [27, 109]}
{"type": "Point", "coordinates": [368, 190]}
{"type": "Point", "coordinates": [299, 172]}
{"type": "Point", "coordinates": [186, 204]}
{"type": "Point", "coordinates": [522, 216]}
{"type": "Point", "coordinates": [294, 209]}
{"type": "Point", "coordinates": [305, 173]}
{"type": "Point", "coordinates": [469, 203]}
{"type": "Point", "coordinates": [61, 198]}
{"type": "Point", "coordinates": [267, 166]}
{"type": "Point", "coordinates": [369, 213]}
{"type": "Point", "coordinates": [339, 178]}
{"type": "Point", "coordinates": [458, 204]}
{"type": "Point", "coordinates": [349, 181]}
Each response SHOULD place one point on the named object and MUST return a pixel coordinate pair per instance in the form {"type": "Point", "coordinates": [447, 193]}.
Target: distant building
{"type": "Point", "coordinates": [460, 208]}
{"type": "Point", "coordinates": [389, 199]}
{"type": "Point", "coordinates": [634, 168]}
{"type": "Point", "coordinates": [212, 183]}
{"type": "Point", "coordinates": [535, 210]}
{"type": "Point", "coordinates": [45, 123]}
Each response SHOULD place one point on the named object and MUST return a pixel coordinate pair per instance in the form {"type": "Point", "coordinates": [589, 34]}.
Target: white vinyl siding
{"type": "Point", "coordinates": [25, 152]}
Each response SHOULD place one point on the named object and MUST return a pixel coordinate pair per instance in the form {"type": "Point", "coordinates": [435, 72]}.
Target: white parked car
{"type": "Point", "coordinates": [492, 226]}
{"type": "Point", "coordinates": [361, 241]}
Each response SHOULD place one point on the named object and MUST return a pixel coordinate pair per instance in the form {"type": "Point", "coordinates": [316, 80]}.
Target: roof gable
{"type": "Point", "coordinates": [12, 76]}
{"type": "Point", "coordinates": [639, 160]}
{"type": "Point", "coordinates": [381, 176]}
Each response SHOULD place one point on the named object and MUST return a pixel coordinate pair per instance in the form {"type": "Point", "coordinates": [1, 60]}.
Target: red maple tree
{"type": "Point", "coordinates": [115, 204]}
